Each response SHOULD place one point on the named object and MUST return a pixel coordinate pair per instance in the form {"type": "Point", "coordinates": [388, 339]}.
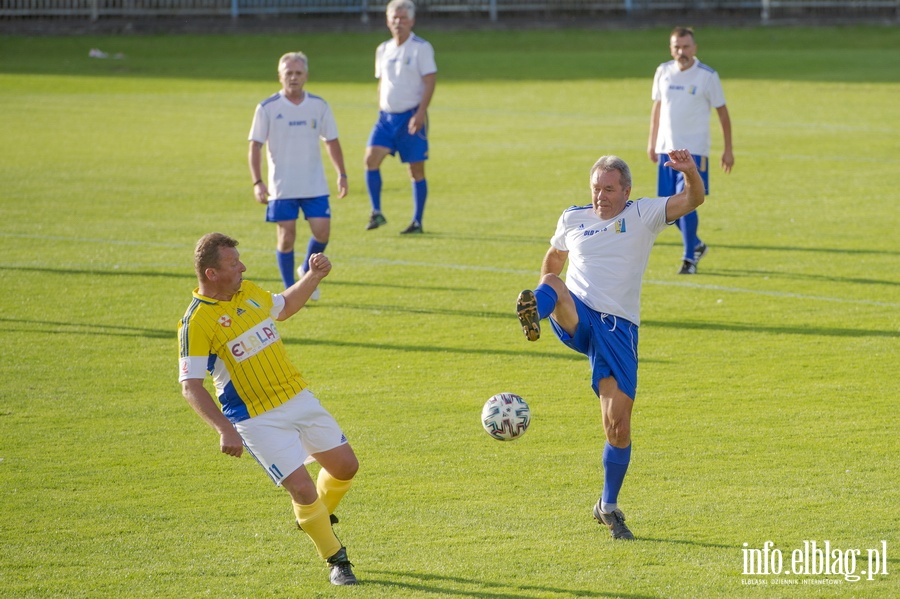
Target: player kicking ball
{"type": "Point", "coordinates": [596, 310]}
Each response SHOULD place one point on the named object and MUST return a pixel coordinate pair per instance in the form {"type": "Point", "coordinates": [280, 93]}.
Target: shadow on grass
{"type": "Point", "coordinates": [771, 330]}
{"type": "Point", "coordinates": [447, 586]}
{"type": "Point", "coordinates": [486, 351]}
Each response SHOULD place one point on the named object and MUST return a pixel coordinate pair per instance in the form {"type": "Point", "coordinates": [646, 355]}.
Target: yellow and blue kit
{"type": "Point", "coordinates": [238, 343]}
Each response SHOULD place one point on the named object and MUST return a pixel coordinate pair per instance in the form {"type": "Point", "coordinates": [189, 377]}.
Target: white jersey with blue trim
{"type": "Point", "coordinates": [292, 134]}
{"type": "Point", "coordinates": [607, 258]}
{"type": "Point", "coordinates": [400, 70]}
{"type": "Point", "coordinates": [687, 97]}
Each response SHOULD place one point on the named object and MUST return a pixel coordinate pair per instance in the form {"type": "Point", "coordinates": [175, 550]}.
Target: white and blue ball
{"type": "Point", "coordinates": [505, 416]}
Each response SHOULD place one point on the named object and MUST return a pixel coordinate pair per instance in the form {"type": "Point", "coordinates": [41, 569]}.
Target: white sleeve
{"type": "Point", "coordinates": [655, 93]}
{"type": "Point", "coordinates": [259, 130]}
{"type": "Point", "coordinates": [558, 240]}
{"type": "Point", "coordinates": [192, 367]}
{"type": "Point", "coordinates": [715, 93]}
{"type": "Point", "coordinates": [329, 131]}
{"type": "Point", "coordinates": [425, 57]}
{"type": "Point", "coordinates": [379, 52]}
{"type": "Point", "coordinates": [277, 305]}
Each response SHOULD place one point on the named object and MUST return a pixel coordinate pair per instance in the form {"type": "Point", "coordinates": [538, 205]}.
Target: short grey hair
{"type": "Point", "coordinates": [407, 5]}
{"type": "Point", "coordinates": [293, 56]}
{"type": "Point", "coordinates": [610, 163]}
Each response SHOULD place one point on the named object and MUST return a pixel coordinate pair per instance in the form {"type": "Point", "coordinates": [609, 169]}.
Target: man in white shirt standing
{"type": "Point", "coordinates": [596, 309]}
{"type": "Point", "coordinates": [291, 124]}
{"type": "Point", "coordinates": [684, 91]}
{"type": "Point", "coordinates": [406, 73]}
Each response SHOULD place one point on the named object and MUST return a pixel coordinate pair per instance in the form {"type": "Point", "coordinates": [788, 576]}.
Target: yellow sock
{"type": "Point", "coordinates": [331, 490]}
{"type": "Point", "coordinates": [314, 521]}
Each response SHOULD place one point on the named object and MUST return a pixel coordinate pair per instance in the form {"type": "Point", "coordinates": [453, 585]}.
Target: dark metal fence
{"type": "Point", "coordinates": [494, 10]}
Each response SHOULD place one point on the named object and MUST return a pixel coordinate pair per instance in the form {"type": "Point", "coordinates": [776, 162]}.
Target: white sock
{"type": "Point", "coordinates": [608, 508]}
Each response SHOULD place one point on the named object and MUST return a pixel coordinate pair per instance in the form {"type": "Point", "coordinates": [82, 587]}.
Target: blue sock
{"type": "Point", "coordinates": [373, 184]}
{"type": "Point", "coordinates": [615, 465]}
{"type": "Point", "coordinates": [420, 193]}
{"type": "Point", "coordinates": [314, 247]}
{"type": "Point", "coordinates": [286, 267]}
{"type": "Point", "coordinates": [546, 300]}
{"type": "Point", "coordinates": [688, 224]}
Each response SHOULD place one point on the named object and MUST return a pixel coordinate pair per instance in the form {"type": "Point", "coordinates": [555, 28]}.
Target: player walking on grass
{"type": "Point", "coordinates": [406, 73]}
{"type": "Point", "coordinates": [596, 310]}
{"type": "Point", "coordinates": [290, 124]}
{"type": "Point", "coordinates": [229, 331]}
{"type": "Point", "coordinates": [684, 91]}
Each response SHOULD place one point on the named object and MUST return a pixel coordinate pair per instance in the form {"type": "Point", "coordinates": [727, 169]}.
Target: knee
{"type": "Point", "coordinates": [348, 469]}
{"type": "Point", "coordinates": [302, 491]}
{"type": "Point", "coordinates": [618, 433]}
{"type": "Point", "coordinates": [372, 160]}
{"type": "Point", "coordinates": [554, 282]}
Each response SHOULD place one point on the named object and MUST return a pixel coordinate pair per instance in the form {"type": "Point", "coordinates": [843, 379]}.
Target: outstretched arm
{"type": "Point", "coordinates": [693, 194]}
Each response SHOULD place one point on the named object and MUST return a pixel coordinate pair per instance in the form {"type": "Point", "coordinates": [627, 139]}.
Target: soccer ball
{"type": "Point", "coordinates": [505, 416]}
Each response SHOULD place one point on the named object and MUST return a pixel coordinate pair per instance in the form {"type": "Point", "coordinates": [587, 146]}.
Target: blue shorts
{"type": "Point", "coordinates": [610, 343]}
{"type": "Point", "coordinates": [278, 210]}
{"type": "Point", "coordinates": [669, 181]}
{"type": "Point", "coordinates": [391, 131]}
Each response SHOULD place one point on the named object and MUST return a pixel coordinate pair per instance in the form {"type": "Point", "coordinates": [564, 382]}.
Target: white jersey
{"type": "Point", "coordinates": [291, 133]}
{"type": "Point", "coordinates": [400, 70]}
{"type": "Point", "coordinates": [687, 97]}
{"type": "Point", "coordinates": [607, 258]}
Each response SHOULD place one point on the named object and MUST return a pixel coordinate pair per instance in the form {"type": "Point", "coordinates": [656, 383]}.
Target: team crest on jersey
{"type": "Point", "coordinates": [618, 227]}
{"type": "Point", "coordinates": [225, 320]}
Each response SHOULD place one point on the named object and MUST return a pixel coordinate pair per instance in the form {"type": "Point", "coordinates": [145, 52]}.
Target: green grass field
{"type": "Point", "coordinates": [766, 409]}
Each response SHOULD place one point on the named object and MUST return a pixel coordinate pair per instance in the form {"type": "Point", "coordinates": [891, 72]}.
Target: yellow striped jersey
{"type": "Point", "coordinates": [238, 343]}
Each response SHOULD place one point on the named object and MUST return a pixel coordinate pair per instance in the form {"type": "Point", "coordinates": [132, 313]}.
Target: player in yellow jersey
{"type": "Point", "coordinates": [230, 331]}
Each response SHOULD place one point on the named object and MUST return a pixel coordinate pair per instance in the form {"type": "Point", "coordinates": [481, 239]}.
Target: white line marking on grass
{"type": "Point", "coordinates": [476, 268]}
{"type": "Point", "coordinates": [649, 282]}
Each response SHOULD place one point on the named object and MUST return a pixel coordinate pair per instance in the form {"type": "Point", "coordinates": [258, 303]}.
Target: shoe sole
{"type": "Point", "coordinates": [526, 310]}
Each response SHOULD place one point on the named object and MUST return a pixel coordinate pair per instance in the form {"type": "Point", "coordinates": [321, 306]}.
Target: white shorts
{"type": "Point", "coordinates": [284, 438]}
